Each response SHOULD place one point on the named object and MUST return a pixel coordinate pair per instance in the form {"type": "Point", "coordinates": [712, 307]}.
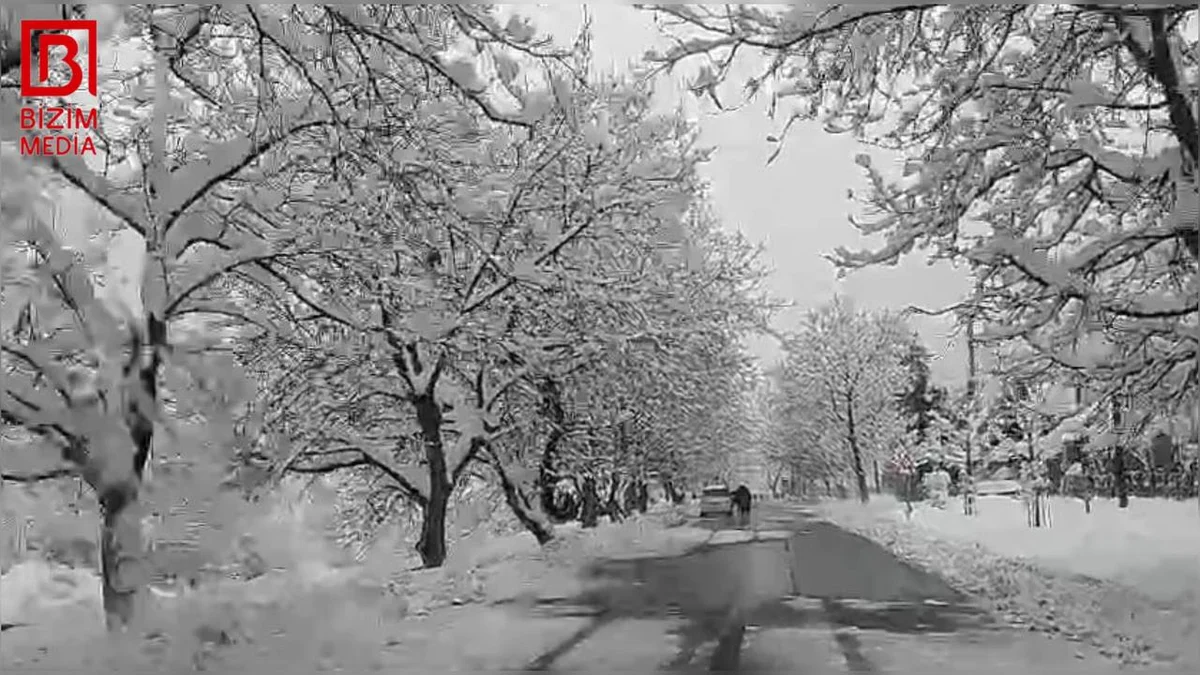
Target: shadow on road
{"type": "Point", "coordinates": [821, 575]}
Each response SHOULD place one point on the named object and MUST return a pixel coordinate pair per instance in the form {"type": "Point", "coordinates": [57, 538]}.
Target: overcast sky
{"type": "Point", "coordinates": [797, 207]}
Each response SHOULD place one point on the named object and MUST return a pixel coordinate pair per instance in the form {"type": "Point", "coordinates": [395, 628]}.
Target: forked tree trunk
{"type": "Point", "coordinates": [541, 530]}
{"type": "Point", "coordinates": [522, 507]}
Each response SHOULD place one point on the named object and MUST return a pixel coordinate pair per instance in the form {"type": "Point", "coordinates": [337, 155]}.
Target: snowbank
{"type": "Point", "coordinates": [1152, 546]}
{"type": "Point", "coordinates": [33, 589]}
{"type": "Point", "coordinates": [1123, 580]}
{"type": "Point", "coordinates": [357, 618]}
{"type": "Point", "coordinates": [524, 571]}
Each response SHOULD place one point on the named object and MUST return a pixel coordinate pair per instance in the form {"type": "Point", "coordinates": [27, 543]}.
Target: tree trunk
{"type": "Point", "coordinates": [552, 410]}
{"type": "Point", "coordinates": [972, 383]}
{"type": "Point", "coordinates": [521, 506]}
{"type": "Point", "coordinates": [612, 503]}
{"type": "Point", "coordinates": [432, 544]}
{"type": "Point", "coordinates": [1120, 482]}
{"type": "Point", "coordinates": [589, 512]}
{"type": "Point", "coordinates": [123, 567]}
{"type": "Point", "coordinates": [123, 571]}
{"type": "Point", "coordinates": [636, 497]}
{"type": "Point", "coordinates": [860, 473]}
{"type": "Point", "coordinates": [1120, 485]}
{"type": "Point", "coordinates": [548, 478]}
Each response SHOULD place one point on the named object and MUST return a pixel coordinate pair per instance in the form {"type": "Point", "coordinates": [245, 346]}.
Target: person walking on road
{"type": "Point", "coordinates": [741, 504]}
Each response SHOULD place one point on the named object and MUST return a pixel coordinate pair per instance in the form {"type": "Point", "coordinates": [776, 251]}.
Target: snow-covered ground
{"type": "Point", "coordinates": [481, 613]}
{"type": "Point", "coordinates": [314, 614]}
{"type": "Point", "coordinates": [1125, 580]}
{"type": "Point", "coordinates": [1153, 545]}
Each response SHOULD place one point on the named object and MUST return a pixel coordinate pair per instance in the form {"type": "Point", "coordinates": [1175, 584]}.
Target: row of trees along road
{"type": "Point", "coordinates": [1052, 149]}
{"type": "Point", "coordinates": [406, 243]}
{"type": "Point", "coordinates": [835, 405]}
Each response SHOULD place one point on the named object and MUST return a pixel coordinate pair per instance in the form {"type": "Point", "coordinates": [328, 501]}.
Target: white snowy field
{"type": "Point", "coordinates": [1126, 581]}
{"type": "Point", "coordinates": [1152, 546]}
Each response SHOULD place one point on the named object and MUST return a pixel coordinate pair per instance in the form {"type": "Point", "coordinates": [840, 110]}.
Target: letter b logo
{"type": "Point", "coordinates": [61, 39]}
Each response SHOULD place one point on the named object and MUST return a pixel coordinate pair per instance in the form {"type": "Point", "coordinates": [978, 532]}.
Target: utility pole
{"type": "Point", "coordinates": [1120, 435]}
{"type": "Point", "coordinates": [972, 387]}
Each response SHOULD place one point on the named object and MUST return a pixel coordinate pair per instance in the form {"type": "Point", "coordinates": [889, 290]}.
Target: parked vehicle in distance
{"type": "Point", "coordinates": [997, 488]}
{"type": "Point", "coordinates": [716, 500]}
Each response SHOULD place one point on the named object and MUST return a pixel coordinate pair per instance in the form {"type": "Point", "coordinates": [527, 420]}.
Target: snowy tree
{"type": "Point", "coordinates": [454, 220]}
{"type": "Point", "coordinates": [845, 365]}
{"type": "Point", "coordinates": [768, 402]}
{"type": "Point", "coordinates": [922, 399]}
{"type": "Point", "coordinates": [499, 259]}
{"type": "Point", "coordinates": [71, 383]}
{"type": "Point", "coordinates": [211, 179]}
{"type": "Point", "coordinates": [172, 179]}
{"type": "Point", "coordinates": [665, 354]}
{"type": "Point", "coordinates": [1054, 147]}
{"type": "Point", "coordinates": [802, 452]}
